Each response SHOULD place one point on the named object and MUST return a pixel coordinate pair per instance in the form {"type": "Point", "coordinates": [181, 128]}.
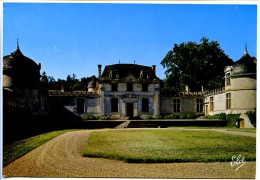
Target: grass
{"type": "Point", "coordinates": [20, 148]}
{"type": "Point", "coordinates": [152, 146]}
{"type": "Point", "coordinates": [202, 127]}
{"type": "Point", "coordinates": [251, 130]}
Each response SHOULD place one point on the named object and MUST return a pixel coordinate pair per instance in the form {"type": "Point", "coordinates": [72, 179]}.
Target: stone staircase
{"type": "Point", "coordinates": [123, 125]}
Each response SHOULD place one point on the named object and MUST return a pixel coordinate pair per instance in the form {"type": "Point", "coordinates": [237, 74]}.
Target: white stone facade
{"type": "Point", "coordinates": [124, 90]}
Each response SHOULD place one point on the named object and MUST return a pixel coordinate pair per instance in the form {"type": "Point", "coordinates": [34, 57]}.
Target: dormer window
{"type": "Point", "coordinates": [141, 75]}
{"type": "Point", "coordinates": [144, 75]}
{"type": "Point", "coordinates": [110, 74]}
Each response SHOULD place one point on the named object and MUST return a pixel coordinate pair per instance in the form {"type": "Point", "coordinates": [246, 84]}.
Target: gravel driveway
{"type": "Point", "coordinates": [61, 157]}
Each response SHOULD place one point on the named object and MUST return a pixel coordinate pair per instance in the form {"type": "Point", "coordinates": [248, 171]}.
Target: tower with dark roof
{"type": "Point", "coordinates": [21, 78]}
{"type": "Point", "coordinates": [20, 71]}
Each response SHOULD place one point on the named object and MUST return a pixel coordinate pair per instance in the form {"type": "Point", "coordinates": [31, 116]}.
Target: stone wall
{"type": "Point", "coordinates": [92, 106]}
{"type": "Point", "coordinates": [219, 101]}
{"type": "Point", "coordinates": [243, 96]}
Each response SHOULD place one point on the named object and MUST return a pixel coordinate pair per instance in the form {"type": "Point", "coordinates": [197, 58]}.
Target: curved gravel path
{"type": "Point", "coordinates": [61, 157]}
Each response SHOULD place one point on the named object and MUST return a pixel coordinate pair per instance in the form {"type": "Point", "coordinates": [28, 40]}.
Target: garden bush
{"type": "Point", "coordinates": [149, 117]}
{"type": "Point", "coordinates": [104, 118]}
{"type": "Point", "coordinates": [171, 116]}
{"type": "Point", "coordinates": [158, 117]}
{"type": "Point", "coordinates": [252, 117]}
{"type": "Point", "coordinates": [183, 116]}
{"type": "Point", "coordinates": [89, 117]}
{"type": "Point", "coordinates": [232, 119]}
{"type": "Point", "coordinates": [218, 116]}
{"type": "Point", "coordinates": [190, 116]}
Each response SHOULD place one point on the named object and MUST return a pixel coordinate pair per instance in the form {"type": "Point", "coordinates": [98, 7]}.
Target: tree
{"type": "Point", "coordinates": [70, 84]}
{"type": "Point", "coordinates": [195, 65]}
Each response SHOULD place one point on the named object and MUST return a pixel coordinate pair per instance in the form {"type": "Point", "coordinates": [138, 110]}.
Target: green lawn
{"type": "Point", "coordinates": [202, 127]}
{"type": "Point", "coordinates": [251, 130]}
{"type": "Point", "coordinates": [169, 146]}
{"type": "Point", "coordinates": [20, 148]}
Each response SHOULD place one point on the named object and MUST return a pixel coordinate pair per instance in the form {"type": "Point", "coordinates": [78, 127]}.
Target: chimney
{"type": "Point", "coordinates": [154, 69]}
{"type": "Point", "coordinates": [202, 89]}
{"type": "Point", "coordinates": [99, 70]}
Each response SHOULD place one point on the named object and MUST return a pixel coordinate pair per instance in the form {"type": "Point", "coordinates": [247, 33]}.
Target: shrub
{"type": "Point", "coordinates": [171, 116]}
{"type": "Point", "coordinates": [103, 118]}
{"type": "Point", "coordinates": [158, 117]}
{"type": "Point", "coordinates": [183, 116]}
{"type": "Point", "coordinates": [190, 116]}
{"type": "Point", "coordinates": [252, 117]}
{"type": "Point", "coordinates": [218, 116]}
{"type": "Point", "coordinates": [186, 116]}
{"type": "Point", "coordinates": [113, 118]}
{"type": "Point", "coordinates": [149, 117]}
{"type": "Point", "coordinates": [232, 119]}
{"type": "Point", "coordinates": [89, 117]}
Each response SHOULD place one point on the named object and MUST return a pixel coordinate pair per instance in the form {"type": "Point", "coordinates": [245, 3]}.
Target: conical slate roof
{"type": "Point", "coordinates": [245, 65]}
{"type": "Point", "coordinates": [18, 61]}
{"type": "Point", "coordinates": [21, 70]}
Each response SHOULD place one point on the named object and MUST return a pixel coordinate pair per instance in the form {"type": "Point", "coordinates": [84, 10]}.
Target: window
{"type": "Point", "coordinates": [143, 75]}
{"type": "Point", "coordinates": [80, 105]}
{"type": "Point", "coordinates": [114, 104]}
{"type": "Point", "coordinates": [145, 105]}
{"type": "Point", "coordinates": [228, 79]}
{"type": "Point", "coordinates": [211, 103]}
{"type": "Point", "coordinates": [228, 101]}
{"type": "Point", "coordinates": [199, 105]}
{"type": "Point", "coordinates": [114, 86]}
{"type": "Point", "coordinates": [144, 87]}
{"type": "Point", "coordinates": [129, 87]}
{"type": "Point", "coordinates": [176, 105]}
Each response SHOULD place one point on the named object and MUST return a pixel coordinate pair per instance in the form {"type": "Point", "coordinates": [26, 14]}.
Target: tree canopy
{"type": "Point", "coordinates": [70, 84]}
{"type": "Point", "coordinates": [195, 65]}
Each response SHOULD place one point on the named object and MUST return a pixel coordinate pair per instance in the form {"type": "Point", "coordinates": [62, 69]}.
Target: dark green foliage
{"type": "Point", "coordinates": [232, 119]}
{"type": "Point", "coordinates": [70, 84]}
{"type": "Point", "coordinates": [186, 116]}
{"type": "Point", "coordinates": [93, 117]}
{"type": "Point", "coordinates": [183, 116]}
{"type": "Point", "coordinates": [192, 64]}
{"type": "Point", "coordinates": [252, 117]}
{"type": "Point", "coordinates": [158, 117]}
{"type": "Point", "coordinates": [89, 117]}
{"type": "Point", "coordinates": [190, 116]}
{"type": "Point", "coordinates": [217, 116]}
{"type": "Point", "coordinates": [149, 117]}
{"type": "Point", "coordinates": [171, 116]}
{"type": "Point", "coordinates": [104, 118]}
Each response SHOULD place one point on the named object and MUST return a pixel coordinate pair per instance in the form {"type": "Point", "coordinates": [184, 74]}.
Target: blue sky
{"type": "Point", "coordinates": [75, 38]}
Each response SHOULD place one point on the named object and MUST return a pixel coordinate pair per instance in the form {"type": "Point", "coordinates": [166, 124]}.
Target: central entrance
{"type": "Point", "coordinates": [130, 109]}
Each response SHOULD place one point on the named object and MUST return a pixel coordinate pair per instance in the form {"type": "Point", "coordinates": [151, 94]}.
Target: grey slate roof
{"type": "Point", "coordinates": [124, 70]}
{"type": "Point", "coordinates": [245, 65]}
